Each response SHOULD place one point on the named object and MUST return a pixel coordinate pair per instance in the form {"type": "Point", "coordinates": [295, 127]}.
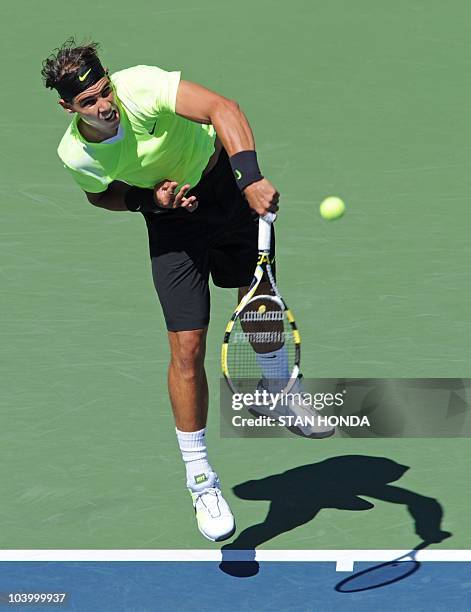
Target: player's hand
{"type": "Point", "coordinates": [262, 197]}
{"type": "Point", "coordinates": [166, 198]}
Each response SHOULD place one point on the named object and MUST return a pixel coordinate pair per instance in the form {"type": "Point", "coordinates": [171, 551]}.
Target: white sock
{"type": "Point", "coordinates": [193, 448]}
{"type": "Point", "coordinates": [275, 369]}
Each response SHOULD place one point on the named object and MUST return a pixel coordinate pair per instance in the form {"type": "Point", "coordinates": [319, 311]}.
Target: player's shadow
{"type": "Point", "coordinates": [299, 494]}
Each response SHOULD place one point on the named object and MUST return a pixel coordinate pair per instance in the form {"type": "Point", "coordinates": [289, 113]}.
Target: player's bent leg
{"type": "Point", "coordinates": [188, 390]}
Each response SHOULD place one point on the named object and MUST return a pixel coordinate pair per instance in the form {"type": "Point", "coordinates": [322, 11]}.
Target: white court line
{"type": "Point", "coordinates": [344, 565]}
{"type": "Point", "coordinates": [344, 559]}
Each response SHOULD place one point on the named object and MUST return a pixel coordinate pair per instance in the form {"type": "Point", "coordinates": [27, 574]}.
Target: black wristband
{"type": "Point", "coordinates": [245, 168]}
{"type": "Point", "coordinates": [140, 199]}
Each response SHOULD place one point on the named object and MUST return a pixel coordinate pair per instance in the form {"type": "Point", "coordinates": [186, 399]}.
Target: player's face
{"type": "Point", "coordinates": [97, 106]}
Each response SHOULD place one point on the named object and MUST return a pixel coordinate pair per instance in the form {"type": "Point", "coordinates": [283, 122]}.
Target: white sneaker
{"type": "Point", "coordinates": [213, 515]}
{"type": "Point", "coordinates": [295, 415]}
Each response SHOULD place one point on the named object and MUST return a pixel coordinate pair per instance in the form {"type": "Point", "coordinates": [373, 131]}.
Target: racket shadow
{"type": "Point", "coordinates": [383, 574]}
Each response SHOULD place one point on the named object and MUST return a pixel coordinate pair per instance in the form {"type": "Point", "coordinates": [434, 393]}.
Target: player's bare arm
{"type": "Point", "coordinates": [202, 105]}
{"type": "Point", "coordinates": [164, 196]}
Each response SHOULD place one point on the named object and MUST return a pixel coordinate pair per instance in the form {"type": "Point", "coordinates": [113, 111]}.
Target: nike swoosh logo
{"type": "Point", "coordinates": [153, 129]}
{"type": "Point", "coordinates": [238, 175]}
{"type": "Point", "coordinates": [84, 76]}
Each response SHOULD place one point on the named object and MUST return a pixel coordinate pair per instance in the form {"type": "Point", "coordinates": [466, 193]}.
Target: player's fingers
{"type": "Point", "coordinates": [168, 186]}
{"type": "Point", "coordinates": [180, 195]}
{"type": "Point", "coordinates": [165, 203]}
{"type": "Point", "coordinates": [184, 189]}
{"type": "Point", "coordinates": [263, 209]}
{"type": "Point", "coordinates": [190, 199]}
{"type": "Point", "coordinates": [166, 198]}
{"type": "Point", "coordinates": [188, 202]}
{"type": "Point", "coordinates": [191, 206]}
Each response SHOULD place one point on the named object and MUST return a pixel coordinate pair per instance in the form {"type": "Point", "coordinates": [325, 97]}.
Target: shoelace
{"type": "Point", "coordinates": [211, 503]}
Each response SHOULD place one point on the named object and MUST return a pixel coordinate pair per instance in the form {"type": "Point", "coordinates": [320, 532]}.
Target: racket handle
{"type": "Point", "coordinates": [264, 231]}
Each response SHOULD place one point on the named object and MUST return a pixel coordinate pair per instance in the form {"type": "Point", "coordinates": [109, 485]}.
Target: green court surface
{"type": "Point", "coordinates": [367, 100]}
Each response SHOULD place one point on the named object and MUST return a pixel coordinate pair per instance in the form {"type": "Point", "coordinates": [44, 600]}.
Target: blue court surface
{"type": "Point", "coordinates": [202, 586]}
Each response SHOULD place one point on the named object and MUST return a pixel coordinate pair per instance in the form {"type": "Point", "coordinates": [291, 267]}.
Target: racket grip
{"type": "Point", "coordinates": [264, 231]}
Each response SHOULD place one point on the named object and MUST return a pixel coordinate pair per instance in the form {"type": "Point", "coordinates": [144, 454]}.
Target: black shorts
{"type": "Point", "coordinates": [220, 237]}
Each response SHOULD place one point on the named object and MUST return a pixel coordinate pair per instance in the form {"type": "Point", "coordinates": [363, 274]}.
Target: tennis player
{"type": "Point", "coordinates": [144, 140]}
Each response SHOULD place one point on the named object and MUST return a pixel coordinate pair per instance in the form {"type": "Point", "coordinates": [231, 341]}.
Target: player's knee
{"type": "Point", "coordinates": [188, 351]}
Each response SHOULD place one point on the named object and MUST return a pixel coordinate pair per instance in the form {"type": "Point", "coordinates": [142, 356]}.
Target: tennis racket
{"type": "Point", "coordinates": [260, 327]}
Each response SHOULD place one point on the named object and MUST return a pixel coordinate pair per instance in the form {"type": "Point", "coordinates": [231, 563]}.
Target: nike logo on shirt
{"type": "Point", "coordinates": [152, 131]}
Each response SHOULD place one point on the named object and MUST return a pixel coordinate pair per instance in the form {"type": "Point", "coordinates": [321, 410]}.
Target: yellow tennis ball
{"type": "Point", "coordinates": [332, 208]}
{"type": "Point", "coordinates": [262, 309]}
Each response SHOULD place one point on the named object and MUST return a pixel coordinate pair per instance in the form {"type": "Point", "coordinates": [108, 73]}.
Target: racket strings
{"type": "Point", "coordinates": [262, 345]}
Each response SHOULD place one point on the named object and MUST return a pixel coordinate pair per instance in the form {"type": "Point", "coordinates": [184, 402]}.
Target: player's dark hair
{"type": "Point", "coordinates": [68, 58]}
